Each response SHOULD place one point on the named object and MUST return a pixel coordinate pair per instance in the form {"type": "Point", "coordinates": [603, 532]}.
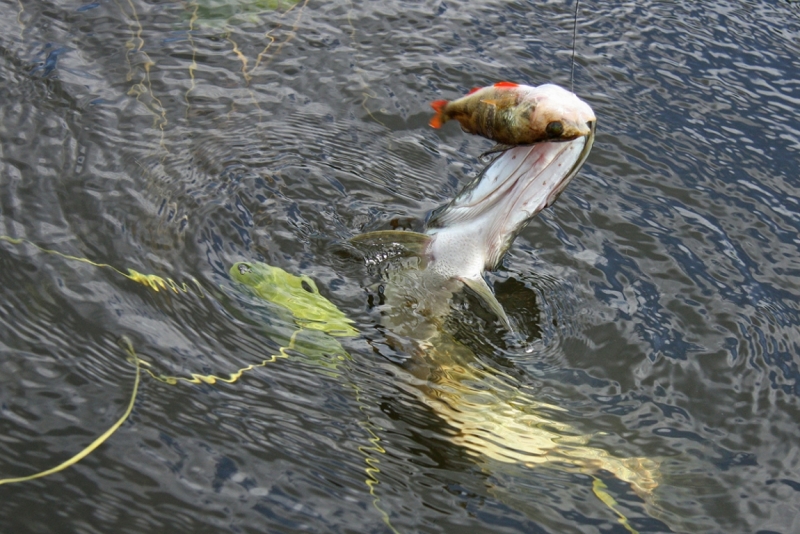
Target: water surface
{"type": "Point", "coordinates": [658, 299]}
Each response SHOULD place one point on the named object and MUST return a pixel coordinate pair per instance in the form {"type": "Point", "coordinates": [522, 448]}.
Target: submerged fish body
{"type": "Point", "coordinates": [491, 414]}
{"type": "Point", "coordinates": [488, 412]}
{"type": "Point", "coordinates": [512, 114]}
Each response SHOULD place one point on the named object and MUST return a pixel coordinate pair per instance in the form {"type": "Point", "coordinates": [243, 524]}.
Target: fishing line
{"type": "Point", "coordinates": [128, 346]}
{"type": "Point", "coordinates": [598, 487]}
{"type": "Point", "coordinates": [139, 363]}
{"type": "Point", "coordinates": [372, 469]}
{"type": "Point", "coordinates": [574, 35]}
{"type": "Point", "coordinates": [367, 93]}
{"type": "Point", "coordinates": [154, 282]}
{"type": "Point", "coordinates": [232, 377]}
{"type": "Point", "coordinates": [144, 86]}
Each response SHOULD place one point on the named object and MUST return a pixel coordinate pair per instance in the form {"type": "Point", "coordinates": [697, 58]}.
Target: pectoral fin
{"type": "Point", "coordinates": [479, 287]}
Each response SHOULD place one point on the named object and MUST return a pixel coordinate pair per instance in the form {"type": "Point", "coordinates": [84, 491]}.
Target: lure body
{"type": "Point", "coordinates": [512, 114]}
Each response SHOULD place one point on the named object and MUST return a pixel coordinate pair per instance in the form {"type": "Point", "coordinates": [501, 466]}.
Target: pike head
{"type": "Point", "coordinates": [473, 232]}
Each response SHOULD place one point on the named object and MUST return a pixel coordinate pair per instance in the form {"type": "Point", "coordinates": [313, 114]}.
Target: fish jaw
{"type": "Point", "coordinates": [473, 232]}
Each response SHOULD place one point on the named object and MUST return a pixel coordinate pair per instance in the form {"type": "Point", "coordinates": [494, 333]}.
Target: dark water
{"type": "Point", "coordinates": [658, 298]}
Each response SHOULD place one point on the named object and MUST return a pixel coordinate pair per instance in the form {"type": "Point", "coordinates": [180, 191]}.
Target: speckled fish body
{"type": "Point", "coordinates": [513, 114]}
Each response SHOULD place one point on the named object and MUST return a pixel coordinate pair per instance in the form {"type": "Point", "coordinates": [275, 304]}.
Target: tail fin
{"type": "Point", "coordinates": [439, 119]}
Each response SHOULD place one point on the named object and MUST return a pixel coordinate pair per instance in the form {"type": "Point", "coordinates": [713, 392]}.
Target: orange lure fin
{"type": "Point", "coordinates": [439, 119]}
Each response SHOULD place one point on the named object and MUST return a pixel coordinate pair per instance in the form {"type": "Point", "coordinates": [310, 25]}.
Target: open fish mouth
{"type": "Point", "coordinates": [527, 179]}
{"type": "Point", "coordinates": [516, 186]}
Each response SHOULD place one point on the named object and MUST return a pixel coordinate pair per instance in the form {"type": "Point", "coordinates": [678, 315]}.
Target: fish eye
{"type": "Point", "coordinates": [305, 285]}
{"type": "Point", "coordinates": [554, 129]}
{"type": "Point", "coordinates": [244, 268]}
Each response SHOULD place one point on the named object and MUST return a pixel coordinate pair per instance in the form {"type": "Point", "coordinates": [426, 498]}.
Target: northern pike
{"type": "Point", "coordinates": [491, 414]}
{"type": "Point", "coordinates": [512, 114]}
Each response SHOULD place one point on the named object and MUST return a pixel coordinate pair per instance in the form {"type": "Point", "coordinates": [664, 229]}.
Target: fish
{"type": "Point", "coordinates": [512, 114]}
{"type": "Point", "coordinates": [470, 234]}
{"type": "Point", "coordinates": [489, 413]}
{"type": "Point", "coordinates": [492, 415]}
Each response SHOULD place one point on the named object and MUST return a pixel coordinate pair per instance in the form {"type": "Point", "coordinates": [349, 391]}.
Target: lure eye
{"type": "Point", "coordinates": [244, 268]}
{"type": "Point", "coordinates": [554, 129]}
{"type": "Point", "coordinates": [305, 285]}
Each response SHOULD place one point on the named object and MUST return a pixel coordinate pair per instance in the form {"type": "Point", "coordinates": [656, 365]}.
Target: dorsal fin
{"type": "Point", "coordinates": [506, 84]}
{"type": "Point", "coordinates": [438, 105]}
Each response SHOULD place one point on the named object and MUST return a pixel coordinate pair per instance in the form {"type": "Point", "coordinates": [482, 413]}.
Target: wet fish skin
{"type": "Point", "coordinates": [513, 114]}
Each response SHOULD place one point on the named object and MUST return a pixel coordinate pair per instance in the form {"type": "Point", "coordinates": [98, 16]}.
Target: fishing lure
{"type": "Point", "coordinates": [512, 114]}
